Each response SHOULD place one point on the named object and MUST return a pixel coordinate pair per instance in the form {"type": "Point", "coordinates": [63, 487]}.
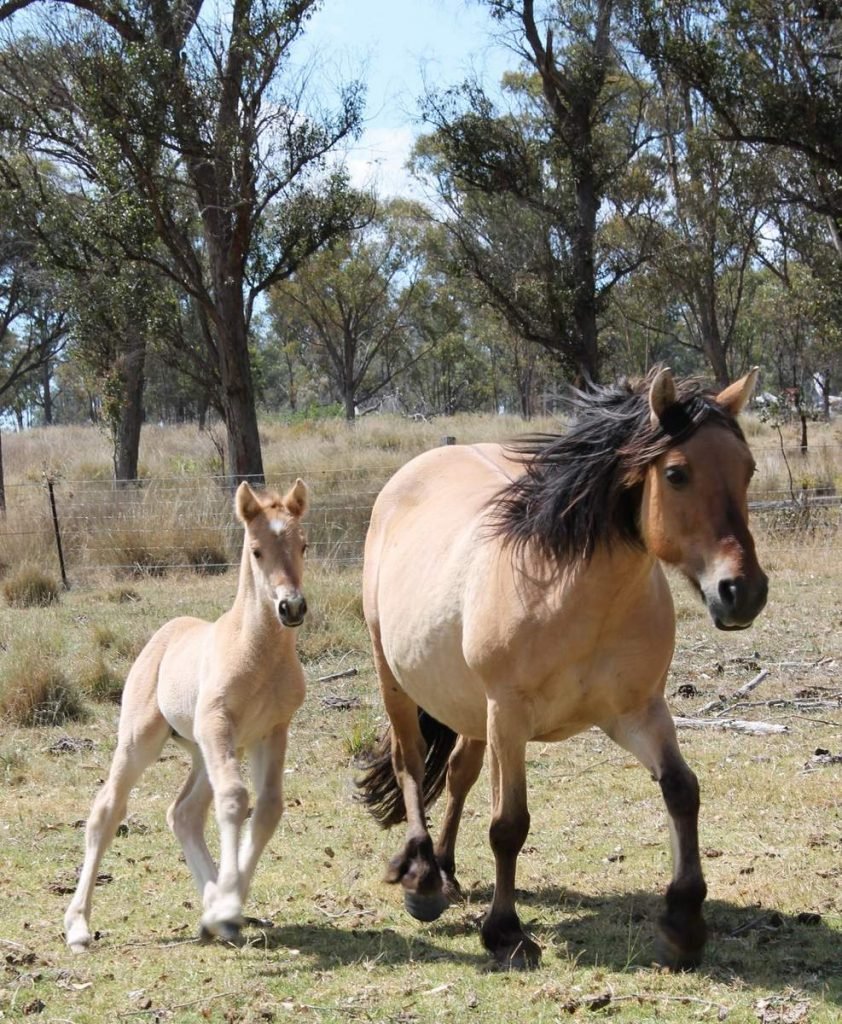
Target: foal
{"type": "Point", "coordinates": [218, 689]}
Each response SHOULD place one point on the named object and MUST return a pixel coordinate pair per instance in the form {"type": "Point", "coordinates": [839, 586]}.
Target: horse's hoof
{"type": "Point", "coordinates": [681, 949]}
{"type": "Point", "coordinates": [79, 947]}
{"type": "Point", "coordinates": [524, 955]}
{"type": "Point", "coordinates": [425, 907]}
{"type": "Point", "coordinates": [227, 931]}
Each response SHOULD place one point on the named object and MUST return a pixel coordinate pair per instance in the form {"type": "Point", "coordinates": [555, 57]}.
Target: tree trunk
{"type": "Point", "coordinates": [46, 379]}
{"type": "Point", "coordinates": [350, 404]}
{"type": "Point", "coordinates": [127, 439]}
{"type": "Point", "coordinates": [2, 480]}
{"type": "Point", "coordinates": [245, 461]}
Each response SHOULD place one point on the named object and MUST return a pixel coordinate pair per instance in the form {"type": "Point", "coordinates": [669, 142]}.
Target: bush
{"type": "Point", "coordinates": [207, 559]}
{"type": "Point", "coordinates": [35, 692]}
{"type": "Point", "coordinates": [101, 682]}
{"type": "Point", "coordinates": [30, 588]}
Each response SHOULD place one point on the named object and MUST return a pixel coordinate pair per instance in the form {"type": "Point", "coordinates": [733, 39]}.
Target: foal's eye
{"type": "Point", "coordinates": [677, 476]}
{"type": "Point", "coordinates": [256, 553]}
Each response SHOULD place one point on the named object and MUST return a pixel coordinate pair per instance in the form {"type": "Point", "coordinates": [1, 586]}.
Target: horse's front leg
{"type": "Point", "coordinates": [502, 932]}
{"type": "Point", "coordinates": [222, 899]}
{"type": "Point", "coordinates": [650, 736]}
{"type": "Point", "coordinates": [267, 767]}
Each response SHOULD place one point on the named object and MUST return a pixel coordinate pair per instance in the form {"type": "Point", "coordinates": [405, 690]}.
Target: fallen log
{"type": "Point", "coordinates": [732, 725]}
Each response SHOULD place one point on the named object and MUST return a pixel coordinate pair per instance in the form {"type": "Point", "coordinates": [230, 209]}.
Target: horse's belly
{"type": "Point", "coordinates": [432, 671]}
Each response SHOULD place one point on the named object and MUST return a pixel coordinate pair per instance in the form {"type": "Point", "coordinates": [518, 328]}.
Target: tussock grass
{"type": "Point", "coordinates": [36, 691]}
{"type": "Point", "coordinates": [31, 588]}
{"type": "Point", "coordinates": [101, 682]}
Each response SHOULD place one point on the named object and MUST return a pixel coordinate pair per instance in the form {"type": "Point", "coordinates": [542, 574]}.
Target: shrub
{"type": "Point", "coordinates": [30, 588]}
{"type": "Point", "coordinates": [34, 691]}
{"type": "Point", "coordinates": [101, 682]}
{"type": "Point", "coordinates": [207, 559]}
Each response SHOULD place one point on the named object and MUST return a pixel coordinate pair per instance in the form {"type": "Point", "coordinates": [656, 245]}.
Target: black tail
{"type": "Point", "coordinates": [378, 787]}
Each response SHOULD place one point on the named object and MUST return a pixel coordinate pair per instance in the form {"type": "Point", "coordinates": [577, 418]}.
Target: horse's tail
{"type": "Point", "coordinates": [378, 787]}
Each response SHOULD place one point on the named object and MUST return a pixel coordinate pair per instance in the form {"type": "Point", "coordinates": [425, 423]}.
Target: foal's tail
{"type": "Point", "coordinates": [378, 787]}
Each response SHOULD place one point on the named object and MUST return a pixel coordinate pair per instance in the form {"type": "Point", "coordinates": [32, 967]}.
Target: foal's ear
{"type": "Point", "coordinates": [734, 398]}
{"type": "Point", "coordinates": [295, 500]}
{"type": "Point", "coordinates": [661, 395]}
{"type": "Point", "coordinates": [246, 503]}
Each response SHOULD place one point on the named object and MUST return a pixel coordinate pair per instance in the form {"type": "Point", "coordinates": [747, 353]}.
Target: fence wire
{"type": "Point", "coordinates": [163, 524]}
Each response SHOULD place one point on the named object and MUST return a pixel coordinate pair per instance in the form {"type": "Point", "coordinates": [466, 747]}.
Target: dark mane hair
{"type": "Point", "coordinates": [582, 489]}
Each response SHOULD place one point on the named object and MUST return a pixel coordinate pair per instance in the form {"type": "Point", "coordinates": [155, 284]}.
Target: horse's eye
{"type": "Point", "coordinates": [677, 476]}
{"type": "Point", "coordinates": [256, 553]}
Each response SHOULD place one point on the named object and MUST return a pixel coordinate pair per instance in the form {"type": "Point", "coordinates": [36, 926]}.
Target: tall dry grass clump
{"type": "Point", "coordinates": [30, 588]}
{"type": "Point", "coordinates": [35, 690]}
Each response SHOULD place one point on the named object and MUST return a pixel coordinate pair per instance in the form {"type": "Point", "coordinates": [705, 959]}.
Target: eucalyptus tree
{"type": "Point", "coordinates": [549, 196]}
{"type": "Point", "coordinates": [195, 117]}
{"type": "Point", "coordinates": [353, 305]}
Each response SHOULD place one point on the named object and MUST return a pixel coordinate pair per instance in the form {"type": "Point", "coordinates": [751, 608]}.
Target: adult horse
{"type": "Point", "coordinates": [517, 595]}
{"type": "Point", "coordinates": [217, 689]}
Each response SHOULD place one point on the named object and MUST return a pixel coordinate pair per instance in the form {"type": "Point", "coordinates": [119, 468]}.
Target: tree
{"type": "Point", "coordinates": [353, 304]}
{"type": "Point", "coordinates": [191, 116]}
{"type": "Point", "coordinates": [28, 339]}
{"type": "Point", "coordinates": [533, 194]}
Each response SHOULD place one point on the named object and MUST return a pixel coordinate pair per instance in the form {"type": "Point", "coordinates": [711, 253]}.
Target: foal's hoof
{"type": "Point", "coordinates": [681, 948]}
{"type": "Point", "coordinates": [227, 931]}
{"type": "Point", "coordinates": [425, 906]}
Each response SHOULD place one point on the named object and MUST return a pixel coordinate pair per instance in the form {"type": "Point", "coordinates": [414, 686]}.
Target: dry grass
{"type": "Point", "coordinates": [341, 948]}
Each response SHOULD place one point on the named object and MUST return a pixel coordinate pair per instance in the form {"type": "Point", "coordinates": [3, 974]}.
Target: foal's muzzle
{"type": "Point", "coordinates": [736, 602]}
{"type": "Point", "coordinates": [292, 609]}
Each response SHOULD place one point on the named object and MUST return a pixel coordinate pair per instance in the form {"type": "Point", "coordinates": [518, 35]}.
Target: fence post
{"type": "Point", "coordinates": [56, 530]}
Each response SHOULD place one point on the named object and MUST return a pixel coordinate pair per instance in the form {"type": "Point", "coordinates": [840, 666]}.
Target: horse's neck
{"type": "Point", "coordinates": [254, 618]}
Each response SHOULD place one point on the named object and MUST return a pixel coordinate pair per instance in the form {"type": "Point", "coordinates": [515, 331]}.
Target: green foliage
{"type": "Point", "coordinates": [31, 588]}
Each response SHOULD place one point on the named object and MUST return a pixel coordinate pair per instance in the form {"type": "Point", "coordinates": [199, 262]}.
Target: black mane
{"type": "Point", "coordinates": [582, 489]}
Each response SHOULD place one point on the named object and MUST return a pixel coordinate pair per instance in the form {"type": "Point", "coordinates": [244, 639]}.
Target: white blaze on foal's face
{"type": "Point", "coordinates": [276, 546]}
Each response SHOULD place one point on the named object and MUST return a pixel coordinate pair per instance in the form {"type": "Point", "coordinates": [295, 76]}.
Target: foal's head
{"type": "Point", "coordinates": [694, 509]}
{"type": "Point", "coordinates": [276, 546]}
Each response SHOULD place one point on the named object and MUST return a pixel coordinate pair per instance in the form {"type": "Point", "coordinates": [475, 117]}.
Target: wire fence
{"type": "Point", "coordinates": [149, 527]}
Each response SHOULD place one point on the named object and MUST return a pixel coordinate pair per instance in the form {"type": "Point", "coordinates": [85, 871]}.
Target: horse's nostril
{"type": "Point", "coordinates": [303, 606]}
{"type": "Point", "coordinates": [283, 608]}
{"type": "Point", "coordinates": [728, 592]}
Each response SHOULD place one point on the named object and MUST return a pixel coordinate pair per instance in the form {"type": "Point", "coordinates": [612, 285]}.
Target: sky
{"type": "Point", "coordinates": [394, 46]}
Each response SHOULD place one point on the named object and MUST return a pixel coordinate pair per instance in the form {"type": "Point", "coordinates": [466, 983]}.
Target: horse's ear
{"type": "Point", "coordinates": [246, 503]}
{"type": "Point", "coordinates": [295, 500]}
{"type": "Point", "coordinates": [735, 397]}
{"type": "Point", "coordinates": [661, 395]}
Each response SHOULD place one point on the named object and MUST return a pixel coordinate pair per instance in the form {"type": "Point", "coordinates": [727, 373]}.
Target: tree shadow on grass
{"type": "Point", "coordinates": [759, 945]}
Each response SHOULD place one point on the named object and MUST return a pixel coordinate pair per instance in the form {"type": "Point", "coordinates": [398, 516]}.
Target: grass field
{"type": "Point", "coordinates": [339, 946]}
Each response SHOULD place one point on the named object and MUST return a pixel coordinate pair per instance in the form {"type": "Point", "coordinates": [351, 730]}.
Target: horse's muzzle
{"type": "Point", "coordinates": [291, 610]}
{"type": "Point", "coordinates": [737, 601]}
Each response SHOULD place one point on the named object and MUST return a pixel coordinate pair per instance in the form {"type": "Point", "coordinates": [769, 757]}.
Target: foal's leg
{"type": "Point", "coordinates": [187, 817]}
{"type": "Point", "coordinates": [267, 765]}
{"type": "Point", "coordinates": [502, 932]}
{"type": "Point", "coordinates": [222, 902]}
{"type": "Point", "coordinates": [415, 866]}
{"type": "Point", "coordinates": [463, 770]}
{"type": "Point", "coordinates": [139, 743]}
{"type": "Point", "coordinates": [650, 736]}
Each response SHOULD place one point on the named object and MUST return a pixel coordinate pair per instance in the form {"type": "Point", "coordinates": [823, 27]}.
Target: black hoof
{"type": "Point", "coordinates": [425, 907]}
{"type": "Point", "coordinates": [511, 946]}
{"type": "Point", "coordinates": [681, 948]}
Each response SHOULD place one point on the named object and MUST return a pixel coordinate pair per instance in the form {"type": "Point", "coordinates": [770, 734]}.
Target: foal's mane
{"type": "Point", "coordinates": [582, 489]}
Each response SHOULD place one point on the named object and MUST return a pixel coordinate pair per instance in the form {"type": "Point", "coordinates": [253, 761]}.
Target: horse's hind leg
{"type": "Point", "coordinates": [415, 867]}
{"type": "Point", "coordinates": [139, 744]}
{"type": "Point", "coordinates": [650, 736]}
{"type": "Point", "coordinates": [463, 770]}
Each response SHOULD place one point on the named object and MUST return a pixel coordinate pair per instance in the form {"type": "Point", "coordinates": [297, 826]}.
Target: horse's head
{"type": "Point", "coordinates": [276, 546]}
{"type": "Point", "coordinates": [694, 513]}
